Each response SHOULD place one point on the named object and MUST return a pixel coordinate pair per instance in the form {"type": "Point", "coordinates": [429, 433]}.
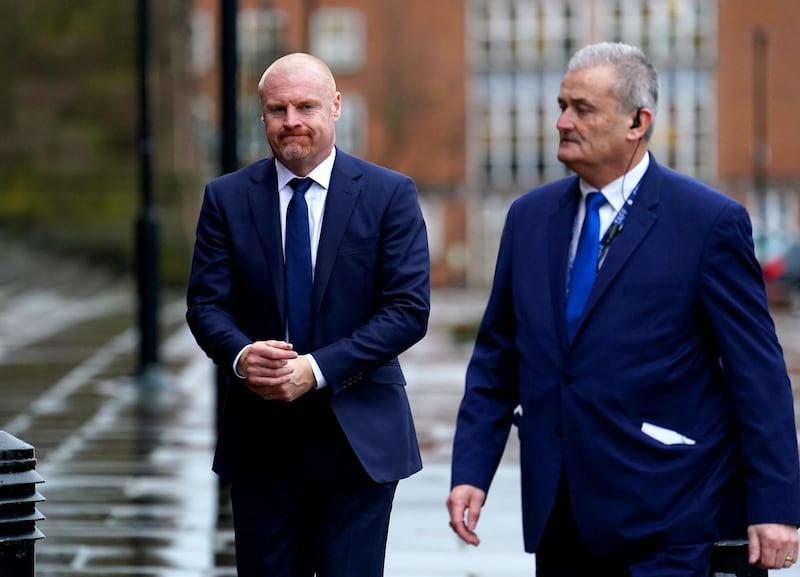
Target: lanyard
{"type": "Point", "coordinates": [616, 226]}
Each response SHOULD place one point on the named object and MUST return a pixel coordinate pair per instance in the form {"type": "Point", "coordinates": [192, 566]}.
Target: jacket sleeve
{"type": "Point", "coordinates": [381, 287]}
{"type": "Point", "coordinates": [491, 394]}
{"type": "Point", "coordinates": [755, 372]}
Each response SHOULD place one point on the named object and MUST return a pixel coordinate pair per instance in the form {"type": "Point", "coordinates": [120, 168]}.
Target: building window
{"type": "Point", "coordinates": [518, 51]}
{"type": "Point", "coordinates": [338, 36]}
{"type": "Point", "coordinates": [261, 37]}
{"type": "Point", "coordinates": [262, 34]}
{"type": "Point", "coordinates": [202, 42]}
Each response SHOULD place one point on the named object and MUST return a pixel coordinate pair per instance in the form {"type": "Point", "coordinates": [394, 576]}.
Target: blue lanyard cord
{"type": "Point", "coordinates": [616, 225]}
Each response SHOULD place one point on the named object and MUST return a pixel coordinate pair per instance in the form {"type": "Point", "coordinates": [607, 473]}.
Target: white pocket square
{"type": "Point", "coordinates": [666, 436]}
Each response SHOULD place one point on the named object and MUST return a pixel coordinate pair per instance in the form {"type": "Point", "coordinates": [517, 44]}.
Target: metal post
{"type": "Point", "coordinates": [229, 65]}
{"type": "Point", "coordinates": [229, 156]}
{"type": "Point", "coordinates": [147, 225]}
{"type": "Point", "coordinates": [760, 142]}
{"type": "Point", "coordinates": [18, 513]}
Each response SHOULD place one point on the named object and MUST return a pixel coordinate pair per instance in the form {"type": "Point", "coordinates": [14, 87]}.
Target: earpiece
{"type": "Point", "coordinates": [637, 122]}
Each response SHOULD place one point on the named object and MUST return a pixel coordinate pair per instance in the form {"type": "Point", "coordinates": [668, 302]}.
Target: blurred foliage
{"type": "Point", "coordinates": [69, 169]}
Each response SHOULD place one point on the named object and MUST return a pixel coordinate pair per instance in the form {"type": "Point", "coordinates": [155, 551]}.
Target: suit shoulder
{"type": "Point", "coordinates": [546, 194]}
{"type": "Point", "coordinates": [695, 193]}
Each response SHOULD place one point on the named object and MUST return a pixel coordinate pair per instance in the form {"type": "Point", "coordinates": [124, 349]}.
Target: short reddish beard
{"type": "Point", "coordinates": [294, 150]}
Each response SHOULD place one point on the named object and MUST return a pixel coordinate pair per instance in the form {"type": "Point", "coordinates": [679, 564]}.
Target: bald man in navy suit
{"type": "Point", "coordinates": [316, 428]}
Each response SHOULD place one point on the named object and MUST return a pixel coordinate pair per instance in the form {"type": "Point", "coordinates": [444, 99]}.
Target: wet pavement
{"type": "Point", "coordinates": [126, 461]}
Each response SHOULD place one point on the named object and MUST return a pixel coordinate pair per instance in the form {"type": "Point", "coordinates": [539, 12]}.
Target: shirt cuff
{"type": "Point", "coordinates": [321, 382]}
{"type": "Point", "coordinates": [236, 362]}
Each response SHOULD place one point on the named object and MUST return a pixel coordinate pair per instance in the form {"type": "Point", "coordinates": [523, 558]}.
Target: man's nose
{"type": "Point", "coordinates": [292, 117]}
{"type": "Point", "coordinates": [565, 121]}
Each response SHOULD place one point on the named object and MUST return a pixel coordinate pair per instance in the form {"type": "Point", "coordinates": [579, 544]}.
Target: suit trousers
{"type": "Point", "coordinates": [318, 513]}
{"type": "Point", "coordinates": [562, 552]}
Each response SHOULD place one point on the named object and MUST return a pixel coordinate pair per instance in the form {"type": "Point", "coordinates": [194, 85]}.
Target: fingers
{"type": "Point", "coordinates": [300, 380]}
{"type": "Point", "coordinates": [272, 351]}
{"type": "Point", "coordinates": [772, 546]}
{"type": "Point", "coordinates": [464, 504]}
{"type": "Point", "coordinates": [292, 379]}
{"type": "Point", "coordinates": [266, 360]}
{"type": "Point", "coordinates": [278, 345]}
{"type": "Point", "coordinates": [302, 376]}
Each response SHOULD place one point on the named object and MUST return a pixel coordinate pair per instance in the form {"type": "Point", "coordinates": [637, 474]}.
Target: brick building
{"type": "Point", "coordinates": [758, 123]}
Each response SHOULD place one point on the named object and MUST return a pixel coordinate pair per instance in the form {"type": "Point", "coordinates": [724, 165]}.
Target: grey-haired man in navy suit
{"type": "Point", "coordinates": [638, 359]}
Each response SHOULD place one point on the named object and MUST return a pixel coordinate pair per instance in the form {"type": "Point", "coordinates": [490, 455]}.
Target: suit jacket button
{"type": "Point", "coordinates": [557, 430]}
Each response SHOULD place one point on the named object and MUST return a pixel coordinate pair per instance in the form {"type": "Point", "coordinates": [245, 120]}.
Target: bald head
{"type": "Point", "coordinates": [300, 63]}
{"type": "Point", "coordinates": [299, 108]}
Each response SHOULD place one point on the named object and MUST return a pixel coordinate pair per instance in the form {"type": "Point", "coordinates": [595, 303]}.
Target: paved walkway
{"type": "Point", "coordinates": [127, 467]}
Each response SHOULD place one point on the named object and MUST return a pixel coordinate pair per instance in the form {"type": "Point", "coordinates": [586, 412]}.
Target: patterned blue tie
{"type": "Point", "coordinates": [298, 267]}
{"type": "Point", "coordinates": [584, 267]}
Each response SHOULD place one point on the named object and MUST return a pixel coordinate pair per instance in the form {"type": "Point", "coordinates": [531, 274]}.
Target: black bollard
{"type": "Point", "coordinates": [729, 559]}
{"type": "Point", "coordinates": [18, 513]}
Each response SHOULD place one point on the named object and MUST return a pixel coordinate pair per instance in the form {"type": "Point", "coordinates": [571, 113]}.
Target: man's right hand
{"type": "Point", "coordinates": [264, 366]}
{"type": "Point", "coordinates": [464, 504]}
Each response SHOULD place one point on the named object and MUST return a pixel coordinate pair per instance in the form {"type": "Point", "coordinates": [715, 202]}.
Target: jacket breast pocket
{"type": "Point", "coordinates": [656, 288]}
{"type": "Point", "coordinates": [357, 261]}
{"type": "Point", "coordinates": [362, 244]}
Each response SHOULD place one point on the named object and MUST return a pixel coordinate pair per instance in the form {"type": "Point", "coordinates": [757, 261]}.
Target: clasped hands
{"type": "Point", "coordinates": [275, 372]}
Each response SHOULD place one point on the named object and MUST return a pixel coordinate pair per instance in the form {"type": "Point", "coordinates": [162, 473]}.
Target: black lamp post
{"type": "Point", "coordinates": [146, 226]}
{"type": "Point", "coordinates": [229, 155]}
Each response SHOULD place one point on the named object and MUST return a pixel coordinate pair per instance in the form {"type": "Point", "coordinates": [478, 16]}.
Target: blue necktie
{"type": "Point", "coordinates": [298, 267]}
{"type": "Point", "coordinates": [584, 267]}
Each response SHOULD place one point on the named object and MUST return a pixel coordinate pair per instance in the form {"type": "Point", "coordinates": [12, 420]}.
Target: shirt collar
{"type": "Point", "coordinates": [321, 173]}
{"type": "Point", "coordinates": [614, 192]}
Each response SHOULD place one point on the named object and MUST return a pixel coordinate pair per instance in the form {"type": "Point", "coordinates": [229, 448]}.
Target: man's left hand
{"type": "Point", "coordinates": [300, 382]}
{"type": "Point", "coordinates": [772, 546]}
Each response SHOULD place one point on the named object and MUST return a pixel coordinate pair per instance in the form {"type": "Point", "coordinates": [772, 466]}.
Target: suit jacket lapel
{"type": "Point", "coordinates": [559, 235]}
{"type": "Point", "coordinates": [266, 214]}
{"type": "Point", "coordinates": [343, 192]}
{"type": "Point", "coordinates": [641, 217]}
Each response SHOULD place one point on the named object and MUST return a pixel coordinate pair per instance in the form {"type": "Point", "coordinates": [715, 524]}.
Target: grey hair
{"type": "Point", "coordinates": [636, 84]}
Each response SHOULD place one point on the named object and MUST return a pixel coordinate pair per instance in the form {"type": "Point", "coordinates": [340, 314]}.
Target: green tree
{"type": "Point", "coordinates": [68, 113]}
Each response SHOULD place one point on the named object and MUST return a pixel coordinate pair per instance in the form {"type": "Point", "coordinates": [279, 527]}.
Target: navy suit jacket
{"type": "Point", "coordinates": [671, 410]}
{"type": "Point", "coordinates": [371, 301]}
